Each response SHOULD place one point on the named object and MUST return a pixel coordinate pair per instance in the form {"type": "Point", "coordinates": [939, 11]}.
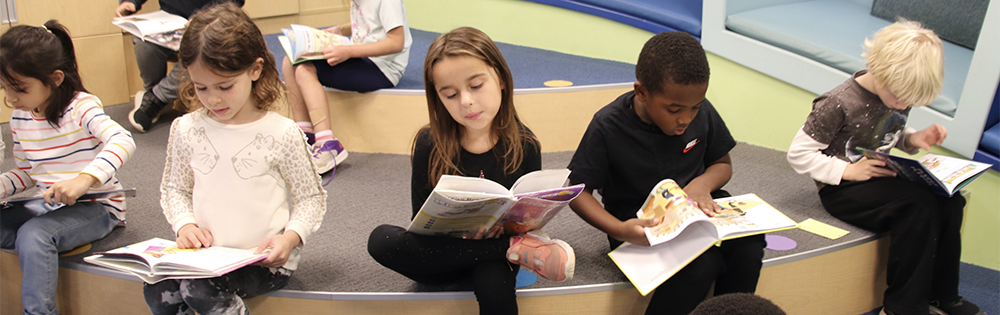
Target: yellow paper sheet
{"type": "Point", "coordinates": [822, 229]}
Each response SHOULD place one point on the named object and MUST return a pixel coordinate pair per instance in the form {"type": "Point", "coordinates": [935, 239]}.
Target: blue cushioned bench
{"type": "Point", "coordinates": [652, 15]}
{"type": "Point", "coordinates": [989, 145]}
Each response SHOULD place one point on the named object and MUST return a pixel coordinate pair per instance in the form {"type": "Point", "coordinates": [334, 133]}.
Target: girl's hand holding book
{"type": "Point", "coordinates": [192, 236]}
{"type": "Point", "coordinates": [69, 190]}
{"type": "Point", "coordinates": [280, 248]}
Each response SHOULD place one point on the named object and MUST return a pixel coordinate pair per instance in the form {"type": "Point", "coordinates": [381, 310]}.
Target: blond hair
{"type": "Point", "coordinates": [909, 60]}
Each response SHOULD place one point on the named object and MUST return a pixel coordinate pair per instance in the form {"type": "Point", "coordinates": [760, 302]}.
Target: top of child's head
{"type": "Point", "coordinates": [672, 73]}
{"type": "Point", "coordinates": [32, 81]}
{"type": "Point", "coordinates": [468, 84]}
{"type": "Point", "coordinates": [228, 65]}
{"type": "Point", "coordinates": [908, 60]}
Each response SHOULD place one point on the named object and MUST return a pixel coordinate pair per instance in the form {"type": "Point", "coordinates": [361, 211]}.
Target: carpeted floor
{"type": "Point", "coordinates": [980, 285]}
{"type": "Point", "coordinates": [531, 67]}
{"type": "Point", "coordinates": [373, 189]}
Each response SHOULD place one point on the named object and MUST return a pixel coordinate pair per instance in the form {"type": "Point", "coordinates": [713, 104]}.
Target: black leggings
{"type": "Point", "coordinates": [442, 259]}
{"type": "Point", "coordinates": [926, 248]}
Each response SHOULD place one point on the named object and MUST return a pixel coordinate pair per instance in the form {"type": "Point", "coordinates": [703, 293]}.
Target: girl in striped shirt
{"type": "Point", "coordinates": [66, 146]}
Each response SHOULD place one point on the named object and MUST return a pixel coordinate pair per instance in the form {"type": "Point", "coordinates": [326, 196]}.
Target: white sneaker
{"type": "Point", "coordinates": [327, 154]}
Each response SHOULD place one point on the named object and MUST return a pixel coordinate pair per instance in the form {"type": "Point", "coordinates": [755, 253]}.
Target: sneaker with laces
{"type": "Point", "coordinates": [327, 154]}
{"type": "Point", "coordinates": [959, 307]}
{"type": "Point", "coordinates": [548, 258]}
{"type": "Point", "coordinates": [145, 111]}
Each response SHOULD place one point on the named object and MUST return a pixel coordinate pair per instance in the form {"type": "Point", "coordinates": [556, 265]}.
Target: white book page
{"type": "Point", "coordinates": [951, 171]}
{"type": "Point", "coordinates": [649, 266]}
{"type": "Point", "coordinates": [540, 180]}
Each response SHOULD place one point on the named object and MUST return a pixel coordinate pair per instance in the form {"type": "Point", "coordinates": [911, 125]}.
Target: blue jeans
{"type": "Point", "coordinates": [38, 240]}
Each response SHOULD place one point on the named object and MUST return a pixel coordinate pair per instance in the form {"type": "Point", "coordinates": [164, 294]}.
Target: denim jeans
{"type": "Point", "coordinates": [38, 240]}
{"type": "Point", "coordinates": [221, 295]}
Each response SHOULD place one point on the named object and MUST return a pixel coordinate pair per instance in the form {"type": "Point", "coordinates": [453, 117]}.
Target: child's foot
{"type": "Point", "coordinates": [550, 259]}
{"type": "Point", "coordinates": [145, 110]}
{"type": "Point", "coordinates": [327, 154]}
{"type": "Point", "coordinates": [960, 307]}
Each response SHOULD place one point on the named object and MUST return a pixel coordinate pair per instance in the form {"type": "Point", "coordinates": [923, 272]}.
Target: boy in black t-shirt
{"type": "Point", "coordinates": [665, 128]}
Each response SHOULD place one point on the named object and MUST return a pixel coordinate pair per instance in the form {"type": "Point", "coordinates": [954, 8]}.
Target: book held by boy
{"type": "Point", "coordinates": [944, 175]}
{"type": "Point", "coordinates": [685, 232]}
{"type": "Point", "coordinates": [459, 206]}
{"type": "Point", "coordinates": [160, 28]}
{"type": "Point", "coordinates": [157, 259]}
{"type": "Point", "coordinates": [303, 43]}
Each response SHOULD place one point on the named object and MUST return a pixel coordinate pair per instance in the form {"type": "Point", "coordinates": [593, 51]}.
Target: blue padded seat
{"type": "Point", "coordinates": [832, 32]}
{"type": "Point", "coordinates": [651, 15]}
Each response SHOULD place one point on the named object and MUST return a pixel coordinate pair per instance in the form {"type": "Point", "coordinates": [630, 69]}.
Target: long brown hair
{"type": "Point", "coordinates": [37, 52]}
{"type": "Point", "coordinates": [226, 40]}
{"type": "Point", "coordinates": [506, 127]}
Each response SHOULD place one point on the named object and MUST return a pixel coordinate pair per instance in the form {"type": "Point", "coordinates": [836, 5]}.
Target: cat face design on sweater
{"type": "Point", "coordinates": [204, 157]}
{"type": "Point", "coordinates": [256, 158]}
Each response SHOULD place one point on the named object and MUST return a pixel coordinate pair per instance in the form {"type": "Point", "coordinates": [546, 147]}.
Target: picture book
{"type": "Point", "coordinates": [686, 232]}
{"type": "Point", "coordinates": [303, 43]}
{"type": "Point", "coordinates": [157, 259]}
{"type": "Point", "coordinates": [160, 28]}
{"type": "Point", "coordinates": [459, 206]}
{"type": "Point", "coordinates": [944, 175]}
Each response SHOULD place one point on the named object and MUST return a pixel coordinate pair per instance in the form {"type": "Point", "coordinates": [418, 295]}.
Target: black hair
{"type": "Point", "coordinates": [37, 52]}
{"type": "Point", "coordinates": [676, 56]}
{"type": "Point", "coordinates": [737, 304]}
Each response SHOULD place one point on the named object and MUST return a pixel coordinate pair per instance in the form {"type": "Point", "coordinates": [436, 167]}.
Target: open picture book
{"type": "Point", "coordinates": [160, 28]}
{"type": "Point", "coordinates": [303, 43]}
{"type": "Point", "coordinates": [158, 259]}
{"type": "Point", "coordinates": [686, 232]}
{"type": "Point", "coordinates": [944, 175]}
{"type": "Point", "coordinates": [459, 206]}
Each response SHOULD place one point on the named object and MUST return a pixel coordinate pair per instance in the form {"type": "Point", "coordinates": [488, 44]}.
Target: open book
{"type": "Point", "coordinates": [944, 175]}
{"type": "Point", "coordinates": [686, 232]}
{"type": "Point", "coordinates": [157, 259]}
{"type": "Point", "coordinates": [458, 206]}
{"type": "Point", "coordinates": [158, 27]}
{"type": "Point", "coordinates": [302, 43]}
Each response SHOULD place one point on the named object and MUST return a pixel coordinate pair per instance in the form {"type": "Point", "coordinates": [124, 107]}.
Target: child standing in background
{"type": "Point", "coordinates": [66, 146]}
{"type": "Point", "coordinates": [665, 128]}
{"type": "Point", "coordinates": [869, 110]}
{"type": "Point", "coordinates": [474, 131]}
{"type": "Point", "coordinates": [236, 174]}
{"type": "Point", "coordinates": [376, 59]}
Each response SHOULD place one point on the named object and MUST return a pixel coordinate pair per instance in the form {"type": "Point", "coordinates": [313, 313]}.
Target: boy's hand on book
{"type": "Point", "coordinates": [126, 8]}
{"type": "Point", "coordinates": [864, 169]}
{"type": "Point", "coordinates": [924, 139]}
{"type": "Point", "coordinates": [69, 190]}
{"type": "Point", "coordinates": [631, 230]}
{"type": "Point", "coordinates": [705, 203]}
{"type": "Point", "coordinates": [336, 54]}
{"type": "Point", "coordinates": [281, 247]}
{"type": "Point", "coordinates": [192, 236]}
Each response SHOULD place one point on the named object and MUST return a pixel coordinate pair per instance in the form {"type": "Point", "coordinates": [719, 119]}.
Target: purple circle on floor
{"type": "Point", "coordinates": [524, 278]}
{"type": "Point", "coordinates": [778, 242]}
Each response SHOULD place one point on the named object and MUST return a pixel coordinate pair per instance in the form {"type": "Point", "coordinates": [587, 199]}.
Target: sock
{"type": "Point", "coordinates": [324, 136]}
{"type": "Point", "coordinates": [305, 126]}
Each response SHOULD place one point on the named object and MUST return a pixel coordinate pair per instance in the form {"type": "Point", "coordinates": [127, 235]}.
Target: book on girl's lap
{"type": "Point", "coordinates": [303, 43]}
{"type": "Point", "coordinates": [158, 259]}
{"type": "Point", "coordinates": [458, 206]}
{"type": "Point", "coordinates": [686, 232]}
{"type": "Point", "coordinates": [944, 175]}
{"type": "Point", "coordinates": [160, 28]}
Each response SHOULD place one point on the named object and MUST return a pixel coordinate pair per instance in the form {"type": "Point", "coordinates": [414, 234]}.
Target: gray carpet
{"type": "Point", "coordinates": [373, 189]}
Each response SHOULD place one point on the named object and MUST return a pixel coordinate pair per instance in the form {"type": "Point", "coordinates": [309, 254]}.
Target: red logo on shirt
{"type": "Point", "coordinates": [691, 145]}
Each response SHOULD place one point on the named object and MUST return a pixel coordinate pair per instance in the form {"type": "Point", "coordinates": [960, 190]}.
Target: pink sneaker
{"type": "Point", "coordinates": [550, 259]}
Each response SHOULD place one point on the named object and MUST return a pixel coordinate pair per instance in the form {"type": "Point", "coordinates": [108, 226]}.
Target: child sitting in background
{"type": "Point", "coordinates": [66, 146]}
{"type": "Point", "coordinates": [376, 59]}
{"type": "Point", "coordinates": [236, 174]}
{"type": "Point", "coordinates": [869, 110]}
{"type": "Point", "coordinates": [474, 131]}
{"type": "Point", "coordinates": [665, 128]}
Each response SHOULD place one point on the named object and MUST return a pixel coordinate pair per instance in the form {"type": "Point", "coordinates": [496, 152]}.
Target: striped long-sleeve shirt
{"type": "Point", "coordinates": [85, 141]}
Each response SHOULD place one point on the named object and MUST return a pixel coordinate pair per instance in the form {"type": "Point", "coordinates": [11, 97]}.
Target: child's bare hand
{"type": "Point", "coordinates": [69, 190]}
{"type": "Point", "coordinates": [631, 231]}
{"type": "Point", "coordinates": [864, 169]}
{"type": "Point", "coordinates": [281, 247]}
{"type": "Point", "coordinates": [336, 54]}
{"type": "Point", "coordinates": [126, 8]}
{"type": "Point", "coordinates": [924, 139]}
{"type": "Point", "coordinates": [495, 232]}
{"type": "Point", "coordinates": [192, 236]}
{"type": "Point", "coordinates": [705, 203]}
{"type": "Point", "coordinates": [333, 29]}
